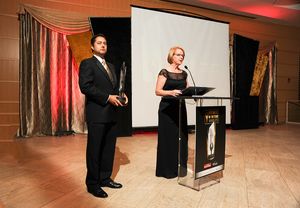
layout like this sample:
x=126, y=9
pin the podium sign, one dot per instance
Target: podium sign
x=210, y=140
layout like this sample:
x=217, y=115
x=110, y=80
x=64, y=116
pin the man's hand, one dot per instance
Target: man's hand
x=113, y=99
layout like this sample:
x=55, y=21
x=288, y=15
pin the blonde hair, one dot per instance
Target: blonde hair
x=172, y=52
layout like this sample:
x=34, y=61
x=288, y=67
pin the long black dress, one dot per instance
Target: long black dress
x=168, y=129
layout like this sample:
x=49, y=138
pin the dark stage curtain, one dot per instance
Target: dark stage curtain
x=253, y=82
x=50, y=99
x=245, y=108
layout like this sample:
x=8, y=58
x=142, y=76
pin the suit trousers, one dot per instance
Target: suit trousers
x=100, y=152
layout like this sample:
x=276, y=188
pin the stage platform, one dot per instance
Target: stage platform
x=262, y=169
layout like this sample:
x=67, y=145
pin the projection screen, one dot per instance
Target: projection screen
x=206, y=45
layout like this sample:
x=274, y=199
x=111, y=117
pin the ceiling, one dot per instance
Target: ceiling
x=286, y=12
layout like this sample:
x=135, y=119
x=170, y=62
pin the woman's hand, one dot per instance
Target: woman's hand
x=175, y=93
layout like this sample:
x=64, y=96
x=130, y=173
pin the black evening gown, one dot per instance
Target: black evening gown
x=168, y=129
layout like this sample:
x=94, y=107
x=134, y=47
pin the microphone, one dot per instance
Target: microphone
x=191, y=78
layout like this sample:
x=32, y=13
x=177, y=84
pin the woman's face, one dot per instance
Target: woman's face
x=178, y=57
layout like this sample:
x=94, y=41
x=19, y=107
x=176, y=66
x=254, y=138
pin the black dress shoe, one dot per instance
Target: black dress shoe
x=111, y=184
x=98, y=192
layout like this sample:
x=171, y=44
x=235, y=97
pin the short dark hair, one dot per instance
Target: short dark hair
x=93, y=39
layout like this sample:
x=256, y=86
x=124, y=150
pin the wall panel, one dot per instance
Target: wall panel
x=285, y=95
x=12, y=118
x=9, y=107
x=287, y=57
x=9, y=7
x=9, y=70
x=9, y=48
x=9, y=91
x=287, y=83
x=287, y=70
x=8, y=131
x=9, y=27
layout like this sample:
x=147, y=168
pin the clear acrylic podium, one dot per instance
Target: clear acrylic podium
x=206, y=148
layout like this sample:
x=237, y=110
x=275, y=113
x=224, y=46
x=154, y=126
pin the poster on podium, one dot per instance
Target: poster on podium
x=210, y=140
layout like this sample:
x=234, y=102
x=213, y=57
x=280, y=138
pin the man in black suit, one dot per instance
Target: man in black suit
x=97, y=80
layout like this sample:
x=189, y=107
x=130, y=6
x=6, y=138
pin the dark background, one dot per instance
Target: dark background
x=118, y=35
x=245, y=108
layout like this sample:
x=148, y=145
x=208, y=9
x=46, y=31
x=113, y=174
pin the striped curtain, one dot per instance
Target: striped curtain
x=50, y=99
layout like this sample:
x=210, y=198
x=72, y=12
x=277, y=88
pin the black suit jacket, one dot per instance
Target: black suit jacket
x=95, y=83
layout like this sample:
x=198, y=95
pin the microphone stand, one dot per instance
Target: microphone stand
x=191, y=78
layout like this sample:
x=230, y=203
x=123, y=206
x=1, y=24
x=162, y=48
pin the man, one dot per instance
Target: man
x=97, y=80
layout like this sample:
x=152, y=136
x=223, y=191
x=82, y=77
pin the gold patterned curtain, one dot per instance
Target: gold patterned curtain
x=50, y=99
x=264, y=84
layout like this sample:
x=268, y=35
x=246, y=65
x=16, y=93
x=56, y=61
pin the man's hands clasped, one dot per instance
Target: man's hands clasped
x=113, y=99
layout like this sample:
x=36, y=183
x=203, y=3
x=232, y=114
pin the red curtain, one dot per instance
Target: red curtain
x=50, y=100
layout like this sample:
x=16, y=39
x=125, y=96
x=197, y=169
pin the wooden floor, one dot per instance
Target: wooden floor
x=262, y=169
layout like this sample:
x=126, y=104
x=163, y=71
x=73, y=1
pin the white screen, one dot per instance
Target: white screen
x=206, y=45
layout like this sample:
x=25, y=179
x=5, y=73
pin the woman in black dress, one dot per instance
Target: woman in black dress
x=170, y=82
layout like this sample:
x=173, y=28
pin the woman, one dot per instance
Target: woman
x=170, y=82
